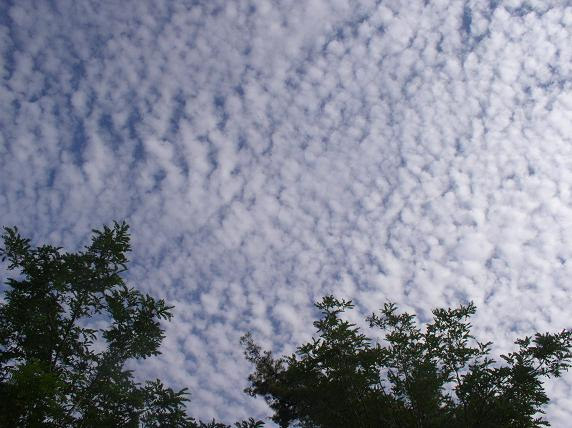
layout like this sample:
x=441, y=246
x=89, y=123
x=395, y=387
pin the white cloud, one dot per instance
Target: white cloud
x=267, y=154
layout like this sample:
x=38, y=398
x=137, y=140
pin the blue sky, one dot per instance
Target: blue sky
x=267, y=153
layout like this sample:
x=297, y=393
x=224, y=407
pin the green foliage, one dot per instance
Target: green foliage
x=440, y=376
x=250, y=423
x=68, y=326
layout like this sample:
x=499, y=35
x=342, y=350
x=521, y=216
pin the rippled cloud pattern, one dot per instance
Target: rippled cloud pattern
x=267, y=153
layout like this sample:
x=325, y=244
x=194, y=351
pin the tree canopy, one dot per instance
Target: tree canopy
x=439, y=376
x=68, y=326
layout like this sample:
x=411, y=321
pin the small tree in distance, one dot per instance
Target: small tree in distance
x=440, y=376
x=53, y=370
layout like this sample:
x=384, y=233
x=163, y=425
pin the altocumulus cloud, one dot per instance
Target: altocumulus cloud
x=266, y=153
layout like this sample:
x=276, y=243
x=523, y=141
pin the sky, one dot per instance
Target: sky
x=266, y=153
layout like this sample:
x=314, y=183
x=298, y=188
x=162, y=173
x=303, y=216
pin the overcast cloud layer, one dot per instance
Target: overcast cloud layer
x=266, y=153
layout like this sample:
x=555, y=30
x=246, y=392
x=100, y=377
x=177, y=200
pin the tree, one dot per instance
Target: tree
x=439, y=376
x=68, y=326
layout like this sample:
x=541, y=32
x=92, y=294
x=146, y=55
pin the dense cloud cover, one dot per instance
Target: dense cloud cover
x=266, y=153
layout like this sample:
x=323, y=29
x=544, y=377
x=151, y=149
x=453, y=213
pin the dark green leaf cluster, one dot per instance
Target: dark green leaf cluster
x=439, y=376
x=68, y=325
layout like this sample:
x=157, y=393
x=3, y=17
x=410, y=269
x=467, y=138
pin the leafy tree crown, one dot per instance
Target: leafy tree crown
x=439, y=376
